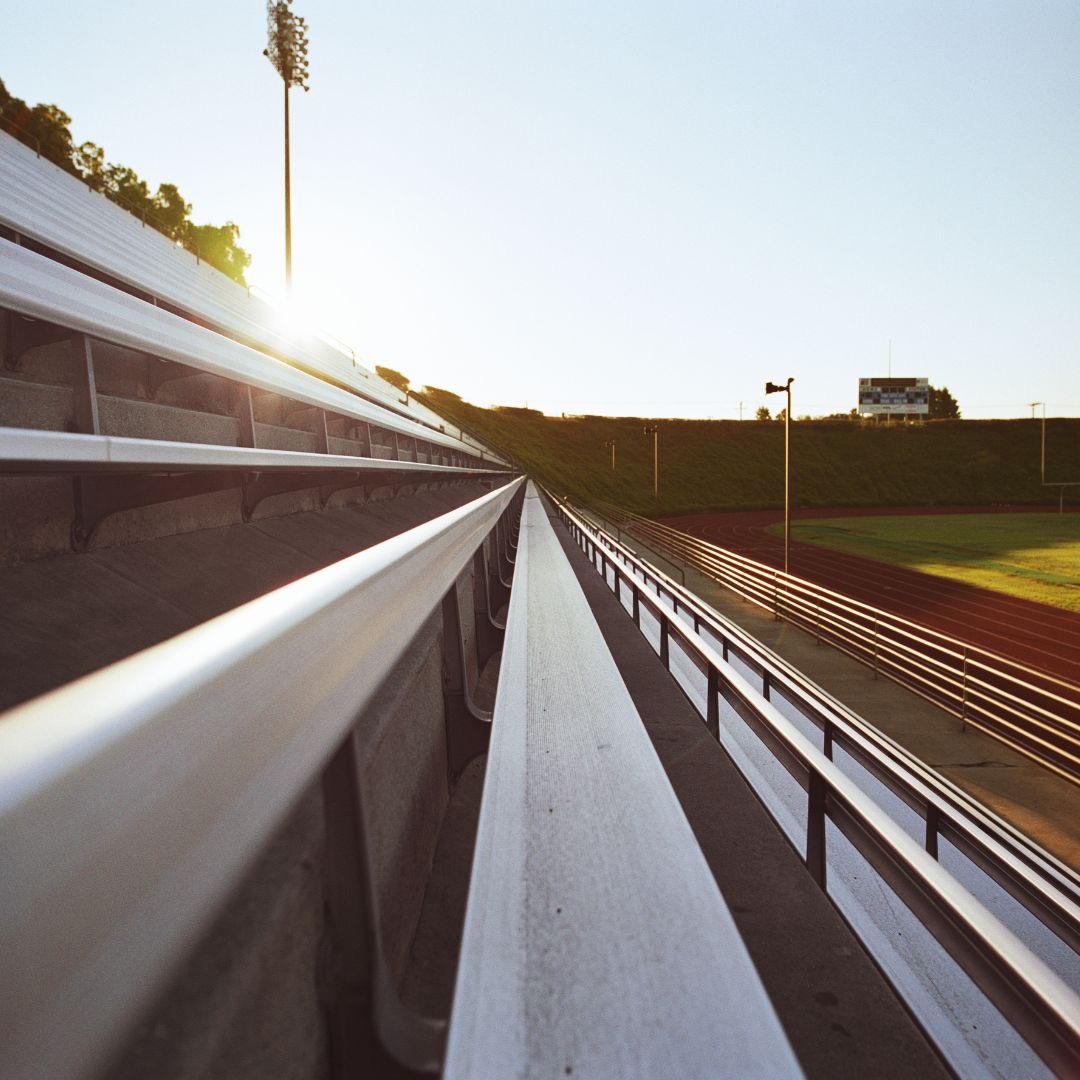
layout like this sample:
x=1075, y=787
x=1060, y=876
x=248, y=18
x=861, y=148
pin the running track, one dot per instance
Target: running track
x=1038, y=635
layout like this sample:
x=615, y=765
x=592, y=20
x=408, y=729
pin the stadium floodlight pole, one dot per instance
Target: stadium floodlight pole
x=611, y=443
x=654, y=431
x=286, y=49
x=775, y=388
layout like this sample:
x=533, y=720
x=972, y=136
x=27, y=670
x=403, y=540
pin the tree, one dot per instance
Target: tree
x=172, y=212
x=45, y=128
x=124, y=186
x=437, y=393
x=763, y=413
x=943, y=406
x=217, y=244
x=394, y=378
x=89, y=161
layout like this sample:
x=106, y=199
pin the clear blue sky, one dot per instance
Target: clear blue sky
x=625, y=207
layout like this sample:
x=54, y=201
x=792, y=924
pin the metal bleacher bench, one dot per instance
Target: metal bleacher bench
x=42, y=204
x=134, y=800
x=39, y=288
x=71, y=305
x=596, y=942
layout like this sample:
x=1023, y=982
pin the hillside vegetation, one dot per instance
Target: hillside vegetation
x=729, y=465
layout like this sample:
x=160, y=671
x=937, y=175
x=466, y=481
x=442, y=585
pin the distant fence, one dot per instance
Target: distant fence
x=1033, y=712
x=701, y=651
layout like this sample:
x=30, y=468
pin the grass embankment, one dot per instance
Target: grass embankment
x=728, y=465
x=1033, y=556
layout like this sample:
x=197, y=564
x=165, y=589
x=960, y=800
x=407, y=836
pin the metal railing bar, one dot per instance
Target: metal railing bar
x=1003, y=968
x=929, y=788
x=290, y=674
x=898, y=622
x=921, y=665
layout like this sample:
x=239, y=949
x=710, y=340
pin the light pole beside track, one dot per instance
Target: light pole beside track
x=1042, y=449
x=654, y=431
x=611, y=443
x=776, y=388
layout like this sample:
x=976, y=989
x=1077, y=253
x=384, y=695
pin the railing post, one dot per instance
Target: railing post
x=488, y=638
x=637, y=607
x=933, y=816
x=712, y=703
x=827, y=738
x=466, y=735
x=87, y=421
x=348, y=990
x=246, y=415
x=766, y=685
x=815, y=828
x=664, y=633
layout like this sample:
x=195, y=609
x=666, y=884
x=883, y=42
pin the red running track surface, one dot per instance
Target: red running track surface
x=1041, y=636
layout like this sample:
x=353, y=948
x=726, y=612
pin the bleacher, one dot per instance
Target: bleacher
x=52, y=212
x=232, y=850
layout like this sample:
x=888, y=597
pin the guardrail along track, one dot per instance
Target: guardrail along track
x=698, y=645
x=1032, y=712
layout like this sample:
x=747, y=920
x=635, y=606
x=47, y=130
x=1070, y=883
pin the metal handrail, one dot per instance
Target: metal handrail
x=1034, y=999
x=132, y=801
x=36, y=287
x=318, y=354
x=1031, y=711
x=944, y=805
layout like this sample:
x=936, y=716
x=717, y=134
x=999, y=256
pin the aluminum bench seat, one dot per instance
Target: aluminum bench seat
x=42, y=202
x=596, y=942
x=27, y=451
x=134, y=800
x=38, y=288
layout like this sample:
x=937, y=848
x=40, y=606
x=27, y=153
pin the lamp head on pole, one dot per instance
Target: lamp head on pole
x=777, y=388
x=287, y=44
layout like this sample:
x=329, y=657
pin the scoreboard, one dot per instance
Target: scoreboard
x=902, y=396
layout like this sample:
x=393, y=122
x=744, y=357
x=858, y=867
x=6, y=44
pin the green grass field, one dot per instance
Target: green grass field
x=1033, y=556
